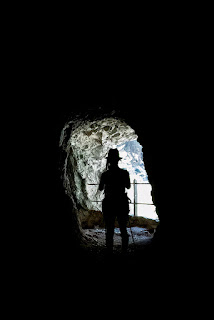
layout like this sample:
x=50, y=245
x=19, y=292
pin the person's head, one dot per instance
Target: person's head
x=113, y=158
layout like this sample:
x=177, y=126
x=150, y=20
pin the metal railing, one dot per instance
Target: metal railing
x=135, y=203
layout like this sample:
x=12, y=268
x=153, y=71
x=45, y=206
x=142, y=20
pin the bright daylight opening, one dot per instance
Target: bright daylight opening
x=140, y=192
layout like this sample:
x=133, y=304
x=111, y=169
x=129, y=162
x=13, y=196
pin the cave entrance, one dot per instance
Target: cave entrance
x=141, y=203
x=87, y=149
x=140, y=192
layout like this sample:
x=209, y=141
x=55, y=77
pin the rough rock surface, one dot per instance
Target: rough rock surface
x=132, y=160
x=87, y=149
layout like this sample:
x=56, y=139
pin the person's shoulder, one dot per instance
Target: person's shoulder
x=124, y=171
x=104, y=174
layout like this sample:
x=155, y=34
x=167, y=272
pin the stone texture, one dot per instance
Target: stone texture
x=87, y=149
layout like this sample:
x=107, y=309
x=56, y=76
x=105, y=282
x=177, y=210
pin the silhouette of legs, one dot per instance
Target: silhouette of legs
x=122, y=220
x=109, y=222
x=110, y=214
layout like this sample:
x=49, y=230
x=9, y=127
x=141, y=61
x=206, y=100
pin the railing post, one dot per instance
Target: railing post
x=135, y=198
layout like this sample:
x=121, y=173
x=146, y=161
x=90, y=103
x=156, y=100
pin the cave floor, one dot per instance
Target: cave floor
x=139, y=252
x=96, y=237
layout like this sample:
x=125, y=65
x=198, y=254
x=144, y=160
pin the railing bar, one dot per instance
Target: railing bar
x=140, y=183
x=151, y=204
x=96, y=184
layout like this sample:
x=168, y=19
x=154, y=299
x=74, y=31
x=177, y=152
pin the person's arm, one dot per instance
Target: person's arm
x=127, y=185
x=101, y=185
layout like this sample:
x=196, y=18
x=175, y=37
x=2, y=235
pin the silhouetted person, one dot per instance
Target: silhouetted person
x=115, y=204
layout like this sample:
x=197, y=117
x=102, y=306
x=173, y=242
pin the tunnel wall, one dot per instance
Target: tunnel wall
x=146, y=129
x=86, y=150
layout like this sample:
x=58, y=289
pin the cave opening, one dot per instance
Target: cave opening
x=86, y=149
x=141, y=204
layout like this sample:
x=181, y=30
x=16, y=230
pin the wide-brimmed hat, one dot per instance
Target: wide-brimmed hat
x=113, y=154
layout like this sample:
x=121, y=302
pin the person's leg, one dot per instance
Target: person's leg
x=109, y=221
x=122, y=220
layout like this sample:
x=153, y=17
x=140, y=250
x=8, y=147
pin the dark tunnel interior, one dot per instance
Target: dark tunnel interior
x=152, y=96
x=149, y=124
x=59, y=243
x=149, y=111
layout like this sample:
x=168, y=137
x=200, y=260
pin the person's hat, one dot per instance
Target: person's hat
x=113, y=154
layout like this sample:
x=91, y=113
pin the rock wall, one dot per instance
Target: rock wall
x=87, y=123
x=86, y=151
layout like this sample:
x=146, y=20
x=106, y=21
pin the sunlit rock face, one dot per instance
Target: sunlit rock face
x=87, y=149
x=132, y=160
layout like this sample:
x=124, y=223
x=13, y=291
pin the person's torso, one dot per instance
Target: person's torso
x=115, y=182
